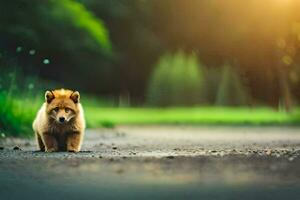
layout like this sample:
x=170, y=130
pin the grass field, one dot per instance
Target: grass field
x=97, y=116
x=17, y=114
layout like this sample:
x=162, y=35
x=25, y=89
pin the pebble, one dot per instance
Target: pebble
x=291, y=159
x=115, y=148
x=170, y=157
x=222, y=153
x=1, y=148
x=269, y=152
x=17, y=148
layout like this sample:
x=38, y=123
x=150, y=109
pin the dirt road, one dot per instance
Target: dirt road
x=170, y=162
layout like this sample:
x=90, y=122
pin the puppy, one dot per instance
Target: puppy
x=59, y=124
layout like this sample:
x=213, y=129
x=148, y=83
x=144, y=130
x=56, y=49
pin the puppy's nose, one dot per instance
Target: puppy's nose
x=61, y=119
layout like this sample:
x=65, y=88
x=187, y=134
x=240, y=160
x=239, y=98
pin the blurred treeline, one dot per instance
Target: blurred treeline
x=154, y=52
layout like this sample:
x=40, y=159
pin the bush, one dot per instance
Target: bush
x=231, y=91
x=176, y=81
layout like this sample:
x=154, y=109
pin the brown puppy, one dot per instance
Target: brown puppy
x=59, y=124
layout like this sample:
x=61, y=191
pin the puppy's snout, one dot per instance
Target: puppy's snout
x=62, y=119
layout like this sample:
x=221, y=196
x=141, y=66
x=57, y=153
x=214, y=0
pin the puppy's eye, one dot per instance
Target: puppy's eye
x=67, y=110
x=56, y=109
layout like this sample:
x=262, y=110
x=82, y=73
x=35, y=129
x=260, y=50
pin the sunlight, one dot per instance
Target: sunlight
x=284, y=2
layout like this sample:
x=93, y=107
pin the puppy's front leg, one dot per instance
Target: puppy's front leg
x=50, y=142
x=40, y=142
x=74, y=141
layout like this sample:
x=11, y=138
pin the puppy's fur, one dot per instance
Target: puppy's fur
x=59, y=124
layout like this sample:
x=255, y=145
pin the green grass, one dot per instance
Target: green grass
x=18, y=112
x=97, y=116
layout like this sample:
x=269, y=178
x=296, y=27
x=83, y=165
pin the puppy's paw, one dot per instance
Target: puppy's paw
x=72, y=150
x=49, y=150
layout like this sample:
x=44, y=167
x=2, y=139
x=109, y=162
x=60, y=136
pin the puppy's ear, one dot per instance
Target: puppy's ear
x=75, y=96
x=49, y=96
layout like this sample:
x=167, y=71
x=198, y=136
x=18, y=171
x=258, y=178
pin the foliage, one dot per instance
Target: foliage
x=176, y=81
x=75, y=14
x=65, y=33
x=116, y=43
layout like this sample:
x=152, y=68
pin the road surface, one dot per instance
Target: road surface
x=158, y=162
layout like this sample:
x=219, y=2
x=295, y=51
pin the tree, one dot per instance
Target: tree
x=177, y=80
x=231, y=90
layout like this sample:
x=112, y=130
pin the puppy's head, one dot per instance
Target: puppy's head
x=62, y=105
